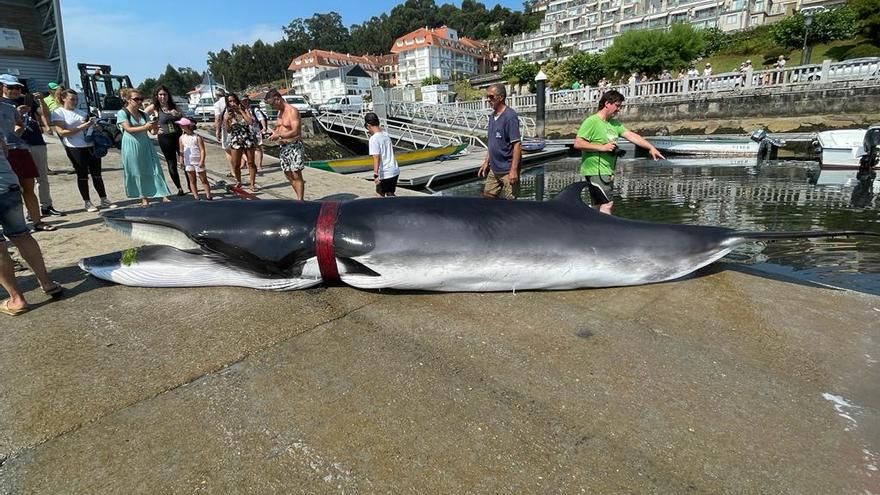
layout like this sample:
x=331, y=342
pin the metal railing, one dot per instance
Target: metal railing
x=419, y=136
x=803, y=77
x=452, y=117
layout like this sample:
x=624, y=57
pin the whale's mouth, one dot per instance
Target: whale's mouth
x=172, y=257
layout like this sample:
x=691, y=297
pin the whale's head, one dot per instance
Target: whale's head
x=268, y=244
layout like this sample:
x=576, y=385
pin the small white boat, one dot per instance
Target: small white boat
x=840, y=149
x=705, y=145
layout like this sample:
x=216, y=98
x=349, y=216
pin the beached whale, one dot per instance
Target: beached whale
x=421, y=243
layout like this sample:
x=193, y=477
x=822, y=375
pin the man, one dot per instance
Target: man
x=385, y=169
x=53, y=101
x=17, y=150
x=501, y=166
x=15, y=228
x=287, y=133
x=220, y=129
x=596, y=139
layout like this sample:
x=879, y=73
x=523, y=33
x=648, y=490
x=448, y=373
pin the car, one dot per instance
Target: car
x=204, y=110
x=300, y=103
x=343, y=104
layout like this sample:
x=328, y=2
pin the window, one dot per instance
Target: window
x=731, y=19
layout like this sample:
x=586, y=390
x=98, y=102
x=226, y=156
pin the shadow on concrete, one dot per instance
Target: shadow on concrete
x=73, y=278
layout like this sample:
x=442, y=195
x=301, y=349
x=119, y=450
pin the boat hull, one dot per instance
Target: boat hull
x=365, y=163
x=840, y=148
x=705, y=146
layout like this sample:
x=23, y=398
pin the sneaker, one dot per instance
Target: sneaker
x=89, y=206
x=49, y=211
x=105, y=203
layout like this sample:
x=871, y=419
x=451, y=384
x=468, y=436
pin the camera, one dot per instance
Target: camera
x=616, y=151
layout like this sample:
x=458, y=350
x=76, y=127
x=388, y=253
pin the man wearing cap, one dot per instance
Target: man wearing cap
x=52, y=101
x=12, y=127
x=287, y=133
x=708, y=70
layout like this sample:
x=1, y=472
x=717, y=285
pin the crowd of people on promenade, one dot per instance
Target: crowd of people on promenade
x=240, y=130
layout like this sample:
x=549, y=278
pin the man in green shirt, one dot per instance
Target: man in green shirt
x=596, y=139
x=52, y=101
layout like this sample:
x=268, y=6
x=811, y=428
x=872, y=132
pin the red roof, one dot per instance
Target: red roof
x=438, y=37
x=323, y=58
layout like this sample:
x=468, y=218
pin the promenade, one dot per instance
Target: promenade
x=725, y=382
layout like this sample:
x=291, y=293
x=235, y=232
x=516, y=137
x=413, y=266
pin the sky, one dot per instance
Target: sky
x=140, y=41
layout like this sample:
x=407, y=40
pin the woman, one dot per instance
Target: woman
x=71, y=125
x=142, y=173
x=237, y=122
x=166, y=112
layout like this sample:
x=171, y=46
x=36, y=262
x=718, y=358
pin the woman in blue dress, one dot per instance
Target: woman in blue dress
x=143, y=175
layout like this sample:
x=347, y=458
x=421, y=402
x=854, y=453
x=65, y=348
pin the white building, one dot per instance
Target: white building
x=438, y=52
x=592, y=25
x=304, y=68
x=349, y=80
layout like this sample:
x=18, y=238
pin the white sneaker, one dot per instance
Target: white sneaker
x=89, y=206
x=105, y=203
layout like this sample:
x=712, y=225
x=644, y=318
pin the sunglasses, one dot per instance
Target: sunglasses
x=492, y=97
x=137, y=99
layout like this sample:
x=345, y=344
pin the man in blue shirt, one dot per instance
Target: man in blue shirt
x=501, y=166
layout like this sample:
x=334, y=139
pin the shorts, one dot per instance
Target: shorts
x=387, y=186
x=23, y=164
x=193, y=167
x=499, y=186
x=12, y=213
x=292, y=156
x=601, y=188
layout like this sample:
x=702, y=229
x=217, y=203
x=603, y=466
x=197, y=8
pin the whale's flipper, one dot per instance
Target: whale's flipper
x=572, y=195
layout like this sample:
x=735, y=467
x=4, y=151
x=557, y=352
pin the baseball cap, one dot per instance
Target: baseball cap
x=184, y=121
x=9, y=80
x=54, y=85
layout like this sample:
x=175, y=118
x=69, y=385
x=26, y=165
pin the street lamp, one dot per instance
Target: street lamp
x=808, y=19
x=540, y=102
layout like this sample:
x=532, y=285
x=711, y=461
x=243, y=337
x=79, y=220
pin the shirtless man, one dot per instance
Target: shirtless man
x=287, y=133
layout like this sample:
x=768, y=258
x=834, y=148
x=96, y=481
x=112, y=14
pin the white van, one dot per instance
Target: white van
x=343, y=104
x=300, y=103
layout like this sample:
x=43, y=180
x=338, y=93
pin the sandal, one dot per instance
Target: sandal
x=6, y=310
x=44, y=227
x=54, y=291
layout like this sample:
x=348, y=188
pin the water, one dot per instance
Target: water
x=734, y=193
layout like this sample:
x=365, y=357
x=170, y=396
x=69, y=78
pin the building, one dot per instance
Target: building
x=438, y=52
x=592, y=25
x=32, y=43
x=388, y=68
x=348, y=80
x=307, y=66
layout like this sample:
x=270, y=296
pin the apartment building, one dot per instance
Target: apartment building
x=306, y=67
x=342, y=81
x=388, y=68
x=592, y=25
x=438, y=52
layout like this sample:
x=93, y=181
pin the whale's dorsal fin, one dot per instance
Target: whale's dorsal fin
x=572, y=194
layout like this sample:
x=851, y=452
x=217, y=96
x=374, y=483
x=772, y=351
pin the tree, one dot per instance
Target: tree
x=835, y=24
x=868, y=13
x=582, y=66
x=716, y=39
x=327, y=32
x=428, y=81
x=518, y=71
x=654, y=50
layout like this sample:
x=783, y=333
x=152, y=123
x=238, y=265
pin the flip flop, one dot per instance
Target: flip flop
x=44, y=227
x=6, y=310
x=54, y=291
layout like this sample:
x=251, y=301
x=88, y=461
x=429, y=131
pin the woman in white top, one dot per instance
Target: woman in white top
x=72, y=125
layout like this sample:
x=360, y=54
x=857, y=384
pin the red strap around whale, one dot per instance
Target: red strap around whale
x=324, y=240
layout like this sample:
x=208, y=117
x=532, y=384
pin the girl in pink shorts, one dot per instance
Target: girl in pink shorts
x=192, y=152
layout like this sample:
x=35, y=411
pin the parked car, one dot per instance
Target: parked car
x=343, y=104
x=300, y=103
x=204, y=110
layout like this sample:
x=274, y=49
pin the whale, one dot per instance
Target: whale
x=410, y=243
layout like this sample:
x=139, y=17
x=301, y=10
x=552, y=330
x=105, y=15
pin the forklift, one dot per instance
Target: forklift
x=101, y=89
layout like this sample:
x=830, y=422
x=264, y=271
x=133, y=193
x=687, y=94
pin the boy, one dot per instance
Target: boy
x=385, y=169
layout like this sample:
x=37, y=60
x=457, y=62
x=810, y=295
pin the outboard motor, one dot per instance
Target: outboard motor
x=768, y=148
x=862, y=193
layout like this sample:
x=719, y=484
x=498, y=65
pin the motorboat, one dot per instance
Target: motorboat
x=843, y=148
x=705, y=145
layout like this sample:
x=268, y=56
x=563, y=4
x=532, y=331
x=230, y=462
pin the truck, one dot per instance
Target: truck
x=101, y=89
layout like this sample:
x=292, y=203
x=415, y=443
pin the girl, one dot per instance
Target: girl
x=192, y=152
x=143, y=175
x=71, y=124
x=238, y=122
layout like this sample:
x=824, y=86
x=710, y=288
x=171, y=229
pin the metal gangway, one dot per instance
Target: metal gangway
x=472, y=121
x=417, y=135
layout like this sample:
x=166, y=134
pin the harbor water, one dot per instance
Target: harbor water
x=739, y=194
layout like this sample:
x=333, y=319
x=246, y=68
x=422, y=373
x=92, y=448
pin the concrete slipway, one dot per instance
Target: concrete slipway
x=722, y=383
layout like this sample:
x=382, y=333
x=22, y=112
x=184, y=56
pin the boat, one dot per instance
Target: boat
x=365, y=163
x=705, y=145
x=530, y=146
x=841, y=149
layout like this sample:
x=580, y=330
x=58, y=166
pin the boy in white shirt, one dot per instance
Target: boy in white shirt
x=385, y=169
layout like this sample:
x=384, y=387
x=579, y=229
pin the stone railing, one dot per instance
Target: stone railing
x=865, y=71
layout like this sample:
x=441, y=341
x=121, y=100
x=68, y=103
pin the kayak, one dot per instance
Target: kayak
x=365, y=163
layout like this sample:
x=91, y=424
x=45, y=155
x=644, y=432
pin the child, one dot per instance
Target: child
x=385, y=170
x=192, y=151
